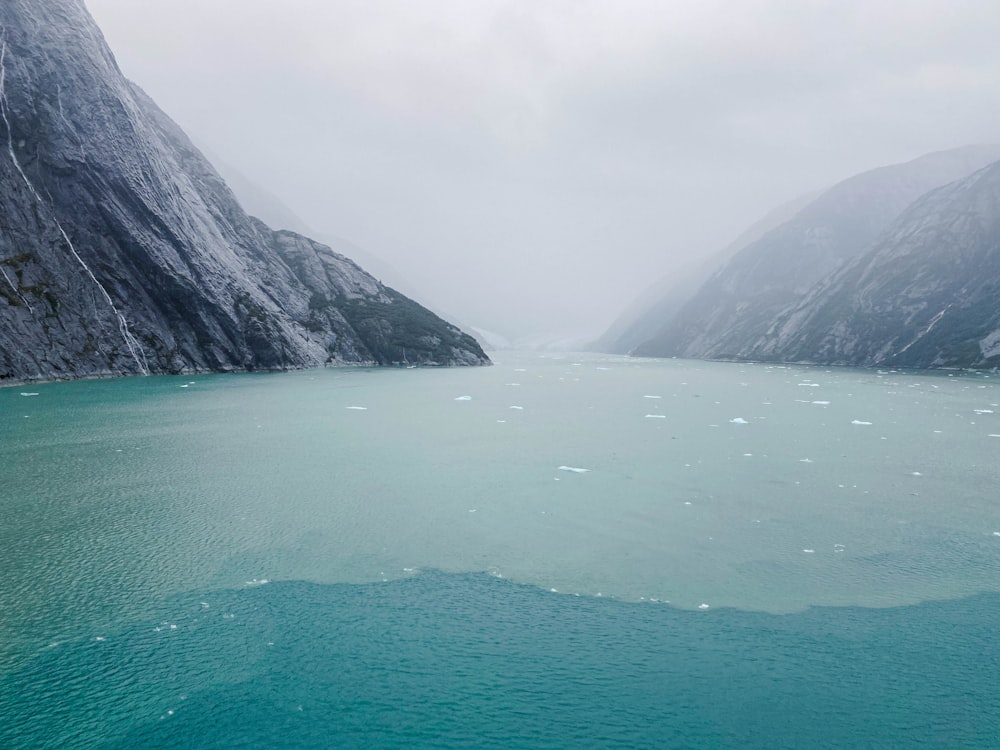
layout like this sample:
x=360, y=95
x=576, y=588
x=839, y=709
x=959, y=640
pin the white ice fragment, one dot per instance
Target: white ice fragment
x=822, y=403
x=574, y=469
x=656, y=416
x=357, y=408
x=464, y=398
x=809, y=551
x=996, y=533
x=983, y=411
x=993, y=435
x=703, y=606
x=916, y=474
x=517, y=408
x=858, y=421
x=738, y=420
x=805, y=460
x=809, y=385
x=28, y=394
x=652, y=396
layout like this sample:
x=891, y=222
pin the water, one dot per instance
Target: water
x=756, y=556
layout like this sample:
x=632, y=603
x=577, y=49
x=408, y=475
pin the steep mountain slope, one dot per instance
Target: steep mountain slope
x=646, y=316
x=736, y=308
x=123, y=251
x=926, y=295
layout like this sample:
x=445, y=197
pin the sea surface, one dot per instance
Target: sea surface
x=559, y=551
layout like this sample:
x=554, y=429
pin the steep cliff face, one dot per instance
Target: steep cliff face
x=927, y=294
x=737, y=307
x=123, y=251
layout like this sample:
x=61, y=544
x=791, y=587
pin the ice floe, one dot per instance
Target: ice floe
x=28, y=394
x=517, y=408
x=574, y=469
x=738, y=420
x=703, y=606
x=652, y=396
x=656, y=416
x=357, y=408
x=463, y=398
x=858, y=421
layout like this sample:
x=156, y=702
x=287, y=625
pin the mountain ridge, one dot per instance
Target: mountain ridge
x=123, y=251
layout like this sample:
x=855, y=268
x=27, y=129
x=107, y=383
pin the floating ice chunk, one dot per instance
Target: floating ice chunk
x=501, y=421
x=809, y=551
x=652, y=396
x=656, y=416
x=473, y=510
x=512, y=385
x=805, y=460
x=748, y=454
x=28, y=394
x=703, y=606
x=822, y=403
x=858, y=421
x=809, y=385
x=839, y=548
x=993, y=435
x=464, y=398
x=100, y=638
x=357, y=408
x=574, y=469
x=258, y=582
x=977, y=411
x=517, y=408
x=996, y=533
x=738, y=420
x=916, y=474
x=186, y=385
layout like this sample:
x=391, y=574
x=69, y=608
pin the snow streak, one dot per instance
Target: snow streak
x=132, y=344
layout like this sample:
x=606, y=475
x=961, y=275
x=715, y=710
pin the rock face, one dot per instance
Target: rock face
x=732, y=316
x=927, y=294
x=123, y=251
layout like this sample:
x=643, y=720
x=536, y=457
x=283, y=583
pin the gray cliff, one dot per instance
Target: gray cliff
x=927, y=294
x=123, y=251
x=735, y=310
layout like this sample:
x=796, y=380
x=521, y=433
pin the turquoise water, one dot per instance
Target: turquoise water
x=756, y=556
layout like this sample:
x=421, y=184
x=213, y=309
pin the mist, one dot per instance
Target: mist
x=530, y=167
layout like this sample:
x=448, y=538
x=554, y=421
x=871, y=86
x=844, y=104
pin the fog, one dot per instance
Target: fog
x=530, y=166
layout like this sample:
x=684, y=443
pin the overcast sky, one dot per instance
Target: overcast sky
x=530, y=166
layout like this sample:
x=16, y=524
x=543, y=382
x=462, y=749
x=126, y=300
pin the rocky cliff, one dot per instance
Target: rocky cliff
x=123, y=251
x=736, y=309
x=927, y=294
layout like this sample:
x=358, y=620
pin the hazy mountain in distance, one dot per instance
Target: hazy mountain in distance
x=927, y=294
x=738, y=305
x=660, y=302
x=123, y=251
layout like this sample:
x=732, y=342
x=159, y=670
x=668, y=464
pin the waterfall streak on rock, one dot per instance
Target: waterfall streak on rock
x=133, y=345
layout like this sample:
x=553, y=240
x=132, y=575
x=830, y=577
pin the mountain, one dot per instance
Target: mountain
x=927, y=294
x=645, y=317
x=736, y=308
x=123, y=251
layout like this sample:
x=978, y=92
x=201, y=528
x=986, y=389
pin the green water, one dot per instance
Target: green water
x=710, y=517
